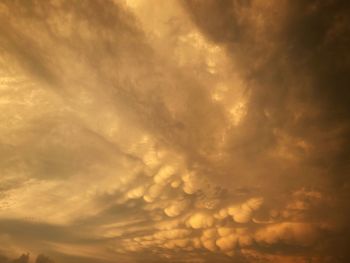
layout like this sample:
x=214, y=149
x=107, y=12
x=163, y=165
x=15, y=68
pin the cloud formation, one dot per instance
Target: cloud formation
x=174, y=131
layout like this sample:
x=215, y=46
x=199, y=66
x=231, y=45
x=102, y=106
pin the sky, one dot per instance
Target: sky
x=185, y=131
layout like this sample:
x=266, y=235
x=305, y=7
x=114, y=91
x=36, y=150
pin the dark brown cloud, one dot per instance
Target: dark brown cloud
x=296, y=67
x=24, y=258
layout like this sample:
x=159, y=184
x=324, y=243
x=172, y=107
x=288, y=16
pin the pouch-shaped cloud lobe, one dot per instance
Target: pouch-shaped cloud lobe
x=174, y=131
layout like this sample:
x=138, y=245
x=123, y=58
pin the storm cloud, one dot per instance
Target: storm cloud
x=174, y=131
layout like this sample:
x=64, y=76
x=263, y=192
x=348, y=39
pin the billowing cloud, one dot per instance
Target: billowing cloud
x=174, y=131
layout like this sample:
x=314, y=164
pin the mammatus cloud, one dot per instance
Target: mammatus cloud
x=174, y=131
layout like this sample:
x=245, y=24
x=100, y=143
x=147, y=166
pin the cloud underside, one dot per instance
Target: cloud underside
x=174, y=131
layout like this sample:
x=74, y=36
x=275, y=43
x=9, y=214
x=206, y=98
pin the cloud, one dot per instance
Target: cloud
x=171, y=131
x=24, y=258
x=294, y=233
x=200, y=220
x=43, y=259
x=176, y=208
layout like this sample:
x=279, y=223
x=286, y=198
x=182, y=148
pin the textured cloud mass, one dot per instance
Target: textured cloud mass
x=174, y=131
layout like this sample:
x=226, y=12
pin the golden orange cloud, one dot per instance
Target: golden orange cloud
x=174, y=131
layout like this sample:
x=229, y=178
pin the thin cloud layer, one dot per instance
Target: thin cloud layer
x=174, y=131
